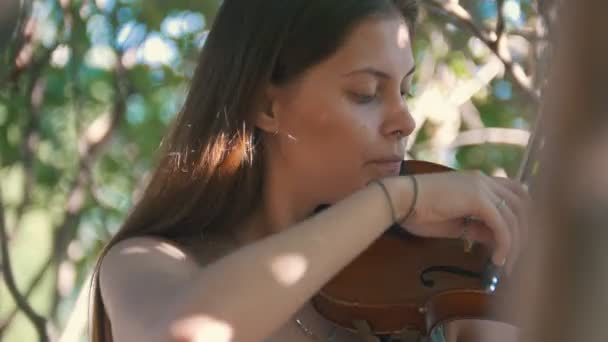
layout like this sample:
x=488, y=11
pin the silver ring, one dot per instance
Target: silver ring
x=466, y=221
x=468, y=243
x=463, y=235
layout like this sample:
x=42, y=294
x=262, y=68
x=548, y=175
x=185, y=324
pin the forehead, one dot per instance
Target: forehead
x=377, y=42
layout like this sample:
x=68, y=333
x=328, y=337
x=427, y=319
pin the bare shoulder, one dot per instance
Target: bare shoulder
x=137, y=278
x=147, y=254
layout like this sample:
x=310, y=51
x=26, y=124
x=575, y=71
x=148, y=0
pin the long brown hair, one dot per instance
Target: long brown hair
x=209, y=174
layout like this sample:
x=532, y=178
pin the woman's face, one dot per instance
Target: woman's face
x=345, y=121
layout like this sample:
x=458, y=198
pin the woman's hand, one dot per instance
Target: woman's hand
x=498, y=207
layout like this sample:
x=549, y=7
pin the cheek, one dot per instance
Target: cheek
x=331, y=139
x=332, y=127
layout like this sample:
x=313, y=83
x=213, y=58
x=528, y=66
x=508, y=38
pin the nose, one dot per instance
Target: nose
x=399, y=120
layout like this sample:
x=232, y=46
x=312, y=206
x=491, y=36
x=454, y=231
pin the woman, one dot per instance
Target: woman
x=294, y=104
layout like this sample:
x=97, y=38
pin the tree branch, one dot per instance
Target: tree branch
x=528, y=34
x=90, y=145
x=21, y=37
x=26, y=295
x=38, y=321
x=22, y=54
x=94, y=138
x=500, y=19
x=36, y=90
x=23, y=57
x=481, y=136
x=503, y=136
x=456, y=13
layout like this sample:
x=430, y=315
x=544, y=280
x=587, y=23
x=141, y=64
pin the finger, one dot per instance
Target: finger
x=475, y=231
x=512, y=225
x=515, y=187
x=479, y=232
x=520, y=207
x=492, y=218
x=448, y=229
x=513, y=213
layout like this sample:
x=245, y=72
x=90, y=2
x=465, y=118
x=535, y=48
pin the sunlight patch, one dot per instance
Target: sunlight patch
x=171, y=250
x=289, y=268
x=203, y=328
x=134, y=250
x=403, y=37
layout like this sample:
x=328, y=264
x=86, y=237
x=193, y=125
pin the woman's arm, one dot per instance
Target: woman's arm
x=157, y=293
x=270, y=279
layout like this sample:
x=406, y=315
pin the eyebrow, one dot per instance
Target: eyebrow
x=377, y=73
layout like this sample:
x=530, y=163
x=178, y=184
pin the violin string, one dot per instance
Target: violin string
x=331, y=335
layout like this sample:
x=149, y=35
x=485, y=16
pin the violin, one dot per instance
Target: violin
x=405, y=284
x=408, y=285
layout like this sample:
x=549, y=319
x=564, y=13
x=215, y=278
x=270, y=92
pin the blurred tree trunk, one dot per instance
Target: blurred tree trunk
x=566, y=277
x=9, y=10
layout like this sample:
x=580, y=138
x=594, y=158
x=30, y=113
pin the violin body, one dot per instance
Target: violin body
x=404, y=282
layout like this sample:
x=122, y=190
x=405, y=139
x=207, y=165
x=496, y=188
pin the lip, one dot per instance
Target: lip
x=388, y=167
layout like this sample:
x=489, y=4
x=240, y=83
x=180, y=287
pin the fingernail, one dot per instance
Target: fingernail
x=502, y=262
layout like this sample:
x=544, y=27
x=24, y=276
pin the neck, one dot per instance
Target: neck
x=281, y=206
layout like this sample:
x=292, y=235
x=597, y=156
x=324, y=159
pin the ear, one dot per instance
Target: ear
x=266, y=118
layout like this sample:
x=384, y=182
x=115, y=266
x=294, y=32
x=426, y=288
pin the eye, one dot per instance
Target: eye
x=362, y=98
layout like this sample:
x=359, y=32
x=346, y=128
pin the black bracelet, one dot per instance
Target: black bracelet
x=388, y=198
x=390, y=201
x=413, y=205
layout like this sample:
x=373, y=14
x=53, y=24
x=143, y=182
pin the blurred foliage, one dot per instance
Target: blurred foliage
x=87, y=94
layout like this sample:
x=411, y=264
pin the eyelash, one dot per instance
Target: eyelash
x=365, y=99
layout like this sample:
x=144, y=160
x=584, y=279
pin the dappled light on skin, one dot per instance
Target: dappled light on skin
x=403, y=37
x=134, y=250
x=288, y=269
x=94, y=39
x=171, y=251
x=202, y=328
x=288, y=135
x=292, y=138
x=163, y=247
